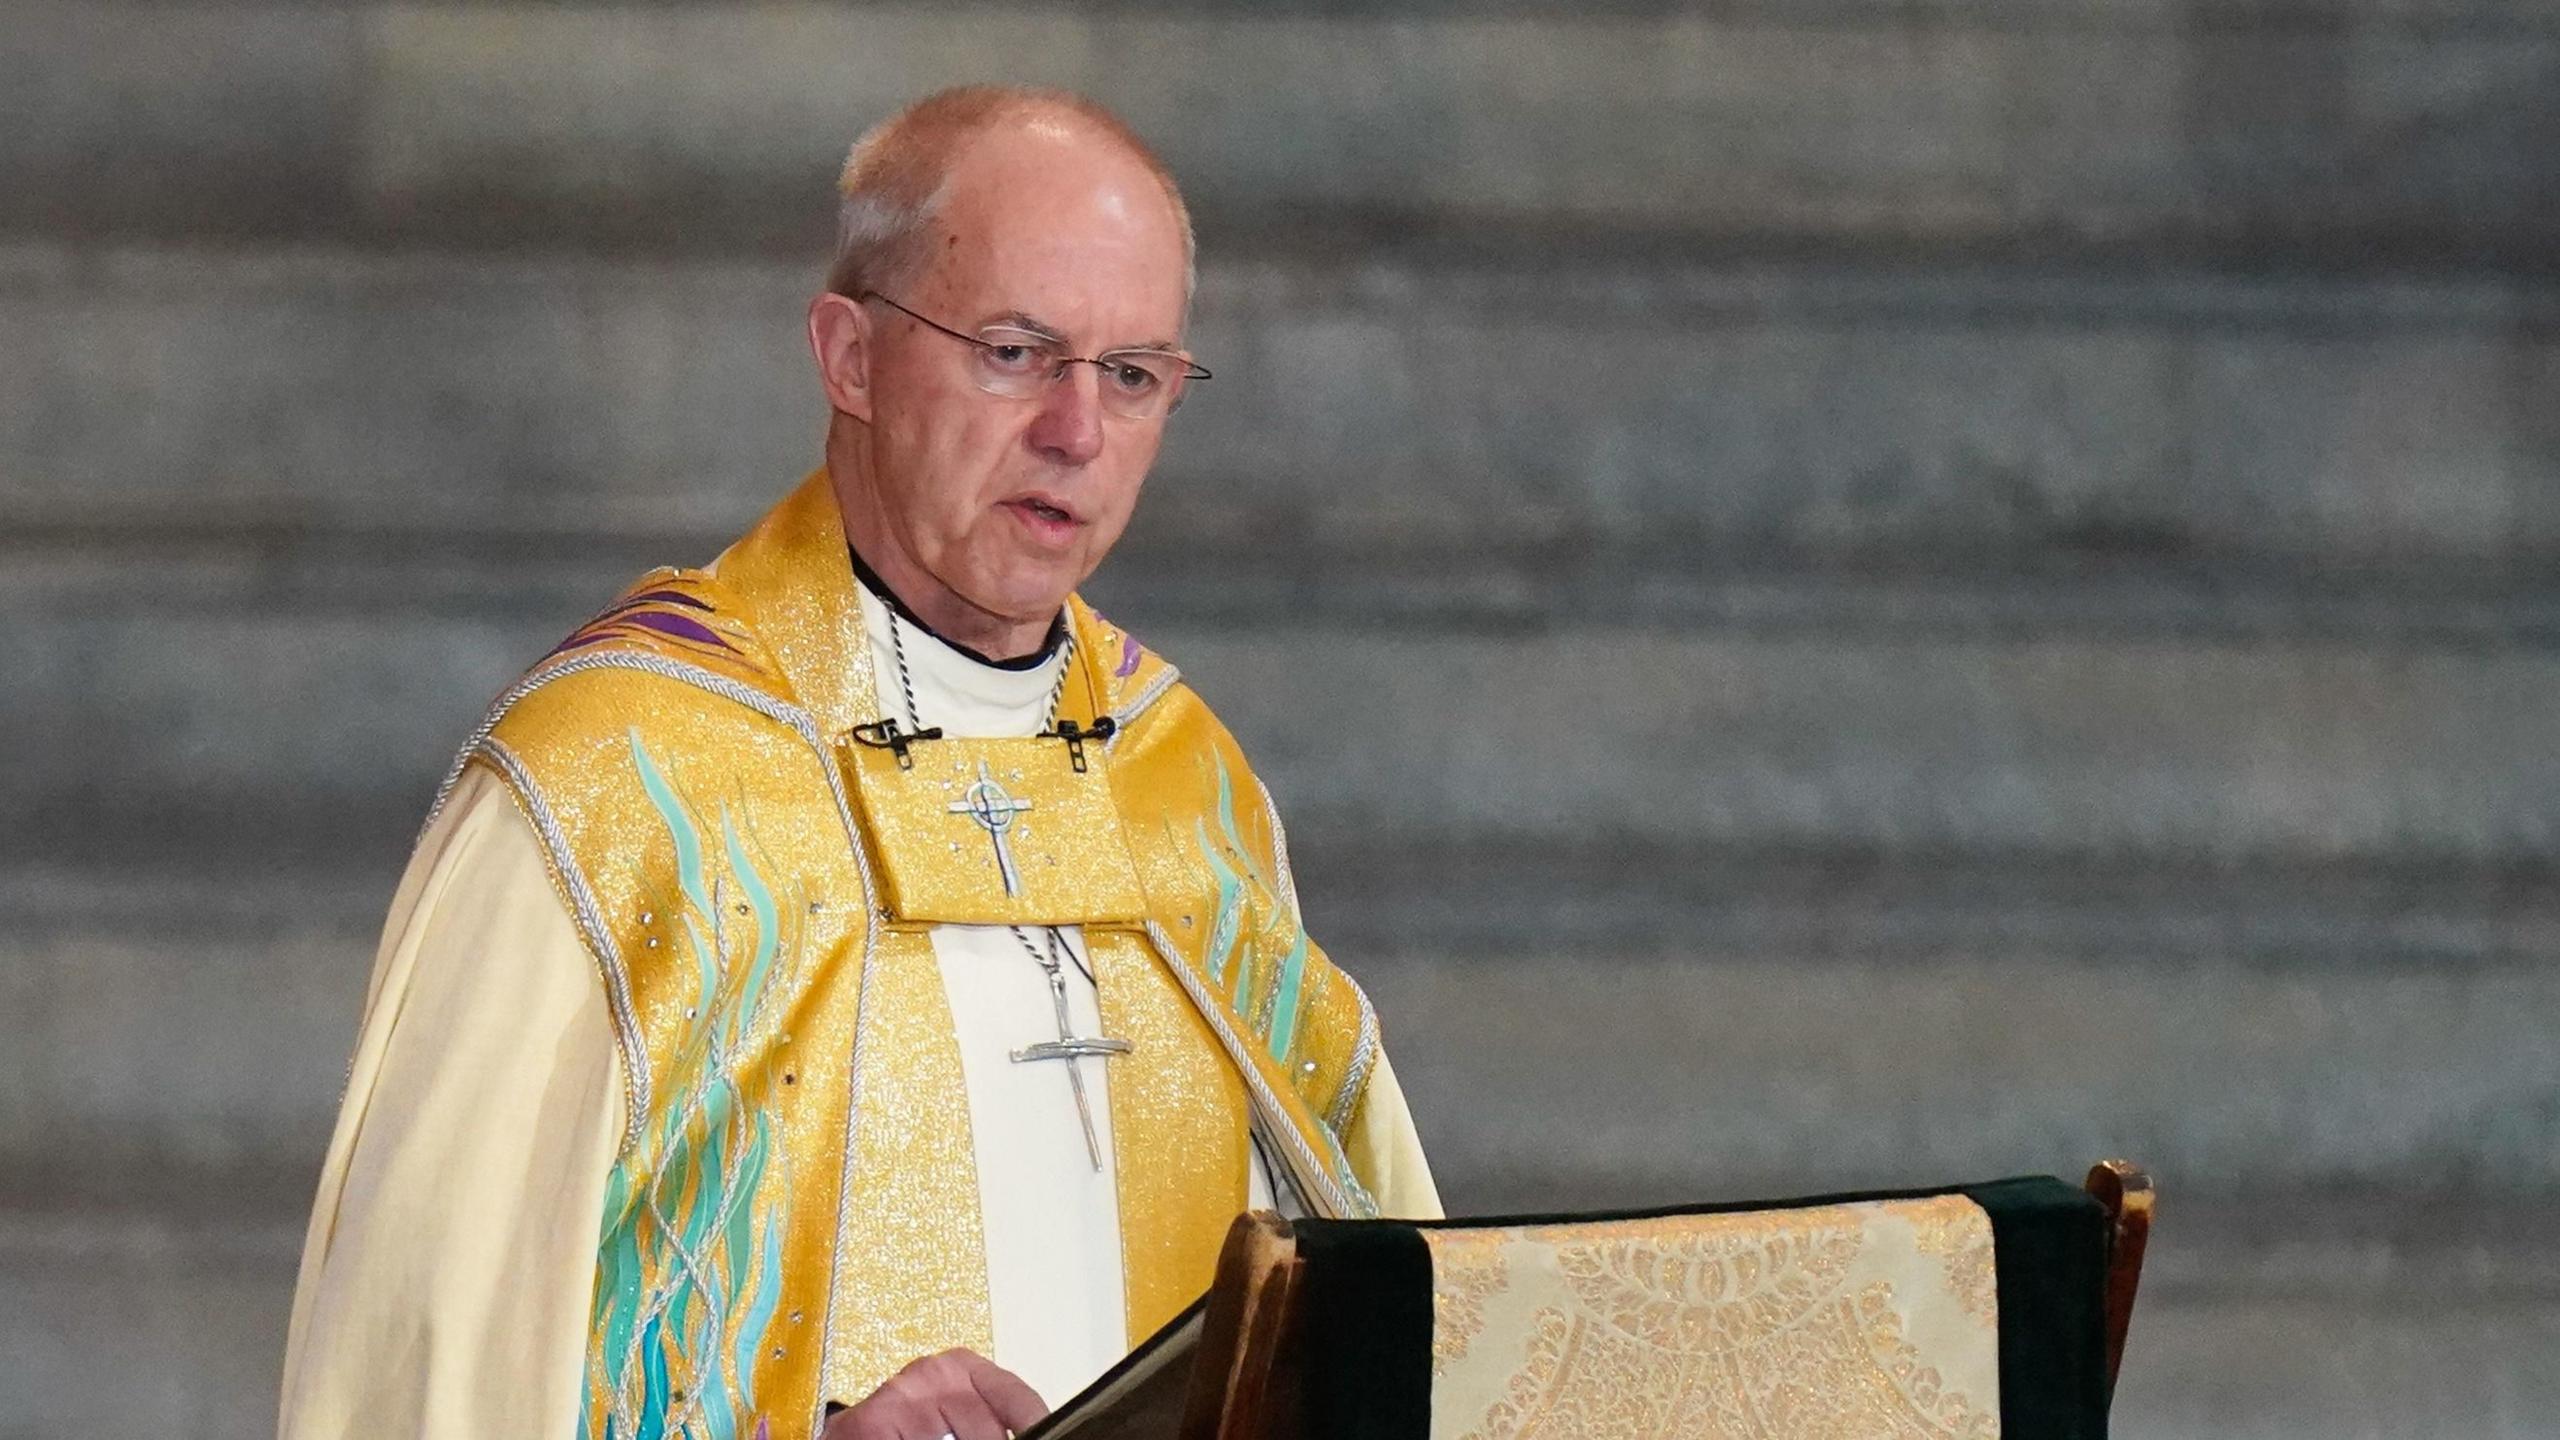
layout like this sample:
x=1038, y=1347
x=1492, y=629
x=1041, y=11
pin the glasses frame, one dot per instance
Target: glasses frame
x=1192, y=369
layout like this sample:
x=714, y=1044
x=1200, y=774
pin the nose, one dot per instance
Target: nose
x=1068, y=430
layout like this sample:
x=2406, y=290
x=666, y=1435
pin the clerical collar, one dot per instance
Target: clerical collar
x=872, y=582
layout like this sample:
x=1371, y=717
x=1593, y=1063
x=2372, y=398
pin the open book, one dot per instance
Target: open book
x=1141, y=1398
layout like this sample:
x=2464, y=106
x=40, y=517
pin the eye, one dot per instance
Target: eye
x=1014, y=357
x=1134, y=379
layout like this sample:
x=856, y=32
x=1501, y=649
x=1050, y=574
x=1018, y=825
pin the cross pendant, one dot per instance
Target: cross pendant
x=994, y=808
x=1069, y=1047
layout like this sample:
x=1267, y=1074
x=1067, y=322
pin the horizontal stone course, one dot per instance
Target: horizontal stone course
x=222, y=1058
x=1437, y=410
x=2322, y=129
x=1575, y=1077
x=1585, y=734
x=1167, y=572
x=1382, y=899
x=163, y=1338
x=1367, y=899
x=184, y=119
x=1583, y=1077
x=2426, y=17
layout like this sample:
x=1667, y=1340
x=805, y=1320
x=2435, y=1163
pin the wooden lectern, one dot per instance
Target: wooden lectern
x=1974, y=1311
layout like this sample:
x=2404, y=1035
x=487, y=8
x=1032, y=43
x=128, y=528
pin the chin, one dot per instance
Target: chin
x=1045, y=581
x=1027, y=597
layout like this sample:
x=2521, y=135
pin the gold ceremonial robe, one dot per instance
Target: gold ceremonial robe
x=791, y=1212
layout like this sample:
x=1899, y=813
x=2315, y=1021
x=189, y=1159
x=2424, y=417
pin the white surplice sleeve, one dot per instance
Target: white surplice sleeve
x=450, y=1264
x=1387, y=1151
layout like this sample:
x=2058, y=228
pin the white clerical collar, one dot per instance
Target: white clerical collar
x=961, y=692
x=869, y=579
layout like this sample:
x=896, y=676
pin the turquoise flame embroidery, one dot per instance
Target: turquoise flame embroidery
x=1231, y=864
x=1284, y=1008
x=685, y=1263
x=1276, y=932
x=1226, y=920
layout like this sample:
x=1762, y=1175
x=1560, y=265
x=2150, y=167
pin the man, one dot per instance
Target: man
x=849, y=990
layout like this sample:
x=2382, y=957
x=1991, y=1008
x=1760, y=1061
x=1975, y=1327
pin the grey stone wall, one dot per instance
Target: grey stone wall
x=1907, y=589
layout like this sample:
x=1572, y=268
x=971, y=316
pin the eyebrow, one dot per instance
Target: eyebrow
x=1020, y=320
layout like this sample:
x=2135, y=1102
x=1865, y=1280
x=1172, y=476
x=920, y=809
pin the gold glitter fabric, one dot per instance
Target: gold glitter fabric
x=1225, y=922
x=793, y=1215
x=910, y=1258
x=1830, y=1321
x=732, y=930
x=994, y=832
x=1178, y=1124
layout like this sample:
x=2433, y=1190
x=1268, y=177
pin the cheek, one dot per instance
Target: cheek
x=1137, y=461
x=952, y=461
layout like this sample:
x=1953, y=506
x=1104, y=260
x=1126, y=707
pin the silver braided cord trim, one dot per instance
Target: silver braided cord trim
x=659, y=665
x=1280, y=847
x=872, y=915
x=591, y=928
x=1364, y=1050
x=915, y=722
x=1269, y=1115
x=806, y=728
x=1364, y=1056
x=555, y=842
x=533, y=680
x=1154, y=692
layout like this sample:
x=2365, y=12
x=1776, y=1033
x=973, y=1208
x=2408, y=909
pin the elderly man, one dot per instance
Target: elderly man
x=848, y=990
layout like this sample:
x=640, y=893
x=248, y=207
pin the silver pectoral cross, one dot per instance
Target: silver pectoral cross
x=992, y=806
x=1069, y=1047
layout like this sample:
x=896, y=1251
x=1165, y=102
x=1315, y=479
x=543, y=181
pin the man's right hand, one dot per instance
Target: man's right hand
x=959, y=1393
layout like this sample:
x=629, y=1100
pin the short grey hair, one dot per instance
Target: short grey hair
x=895, y=176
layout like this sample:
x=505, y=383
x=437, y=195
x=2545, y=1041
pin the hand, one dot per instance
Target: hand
x=958, y=1393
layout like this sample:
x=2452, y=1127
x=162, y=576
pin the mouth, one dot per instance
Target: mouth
x=1045, y=514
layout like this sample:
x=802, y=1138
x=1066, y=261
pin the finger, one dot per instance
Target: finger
x=966, y=1417
x=889, y=1415
x=1012, y=1399
x=850, y=1423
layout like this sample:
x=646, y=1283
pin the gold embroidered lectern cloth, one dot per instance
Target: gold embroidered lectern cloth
x=1877, y=1320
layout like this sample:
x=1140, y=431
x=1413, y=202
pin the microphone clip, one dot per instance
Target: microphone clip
x=886, y=734
x=1076, y=735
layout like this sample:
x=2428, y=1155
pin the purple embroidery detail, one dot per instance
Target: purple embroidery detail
x=677, y=626
x=651, y=614
x=620, y=608
x=1129, y=653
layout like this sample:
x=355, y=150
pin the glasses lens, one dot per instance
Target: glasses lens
x=1140, y=384
x=1022, y=364
x=1015, y=362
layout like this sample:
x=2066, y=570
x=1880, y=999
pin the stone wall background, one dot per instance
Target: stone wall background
x=1905, y=590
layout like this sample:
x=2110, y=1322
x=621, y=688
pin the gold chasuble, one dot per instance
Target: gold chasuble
x=755, y=867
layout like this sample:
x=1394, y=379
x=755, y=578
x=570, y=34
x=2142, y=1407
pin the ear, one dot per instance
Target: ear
x=840, y=339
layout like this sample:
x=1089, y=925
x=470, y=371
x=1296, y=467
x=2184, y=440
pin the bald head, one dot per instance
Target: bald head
x=983, y=230
x=899, y=175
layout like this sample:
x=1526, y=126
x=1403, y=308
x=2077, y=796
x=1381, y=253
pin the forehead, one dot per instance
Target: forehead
x=1062, y=226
